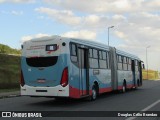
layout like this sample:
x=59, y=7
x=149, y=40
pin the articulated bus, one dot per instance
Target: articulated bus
x=66, y=67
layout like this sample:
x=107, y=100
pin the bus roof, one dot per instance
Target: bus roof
x=82, y=41
x=45, y=38
x=90, y=43
x=120, y=52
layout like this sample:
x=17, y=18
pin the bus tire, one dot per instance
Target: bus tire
x=94, y=93
x=124, y=88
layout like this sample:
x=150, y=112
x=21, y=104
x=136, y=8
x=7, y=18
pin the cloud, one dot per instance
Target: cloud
x=17, y=1
x=120, y=34
x=106, y=6
x=136, y=21
x=119, y=17
x=92, y=21
x=29, y=37
x=152, y=5
x=2, y=1
x=13, y=12
x=82, y=34
x=16, y=12
x=63, y=16
x=131, y=29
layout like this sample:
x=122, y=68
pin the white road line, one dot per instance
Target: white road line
x=145, y=109
x=150, y=106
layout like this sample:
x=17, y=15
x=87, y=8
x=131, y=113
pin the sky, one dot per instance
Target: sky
x=136, y=23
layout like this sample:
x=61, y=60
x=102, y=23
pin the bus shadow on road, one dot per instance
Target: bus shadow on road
x=59, y=102
x=69, y=103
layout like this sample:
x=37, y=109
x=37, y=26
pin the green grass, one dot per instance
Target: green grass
x=9, y=90
x=9, y=71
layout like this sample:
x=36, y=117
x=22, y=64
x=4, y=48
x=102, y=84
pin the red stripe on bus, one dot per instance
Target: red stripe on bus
x=76, y=93
x=128, y=86
x=103, y=90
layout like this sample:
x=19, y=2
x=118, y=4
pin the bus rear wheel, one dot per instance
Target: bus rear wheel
x=94, y=93
x=123, y=88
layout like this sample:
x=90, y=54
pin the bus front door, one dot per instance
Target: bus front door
x=83, y=71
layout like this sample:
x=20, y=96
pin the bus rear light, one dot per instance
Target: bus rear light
x=64, y=79
x=22, y=83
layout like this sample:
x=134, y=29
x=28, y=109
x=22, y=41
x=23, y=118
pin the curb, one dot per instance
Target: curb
x=9, y=95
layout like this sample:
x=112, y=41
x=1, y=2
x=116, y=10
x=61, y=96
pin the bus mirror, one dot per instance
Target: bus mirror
x=143, y=66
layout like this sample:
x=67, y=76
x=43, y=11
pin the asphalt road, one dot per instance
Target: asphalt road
x=145, y=98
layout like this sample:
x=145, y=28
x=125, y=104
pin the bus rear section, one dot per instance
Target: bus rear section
x=44, y=70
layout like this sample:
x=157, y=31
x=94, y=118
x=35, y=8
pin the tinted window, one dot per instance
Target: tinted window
x=125, y=66
x=119, y=59
x=104, y=55
x=73, y=49
x=93, y=63
x=102, y=64
x=90, y=53
x=73, y=53
x=95, y=54
x=119, y=66
x=129, y=61
x=42, y=61
x=119, y=62
x=124, y=60
x=129, y=67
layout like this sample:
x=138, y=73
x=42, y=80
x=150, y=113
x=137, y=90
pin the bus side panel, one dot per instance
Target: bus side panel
x=102, y=77
x=127, y=76
x=74, y=91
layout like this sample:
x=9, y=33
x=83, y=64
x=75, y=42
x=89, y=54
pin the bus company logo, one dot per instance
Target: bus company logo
x=6, y=114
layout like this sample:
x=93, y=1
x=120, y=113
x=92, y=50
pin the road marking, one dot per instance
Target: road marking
x=145, y=109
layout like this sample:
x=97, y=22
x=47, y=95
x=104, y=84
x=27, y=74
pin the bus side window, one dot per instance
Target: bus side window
x=73, y=52
x=95, y=53
x=119, y=62
x=124, y=63
x=136, y=65
x=104, y=55
x=94, y=60
x=90, y=53
x=129, y=64
x=102, y=60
